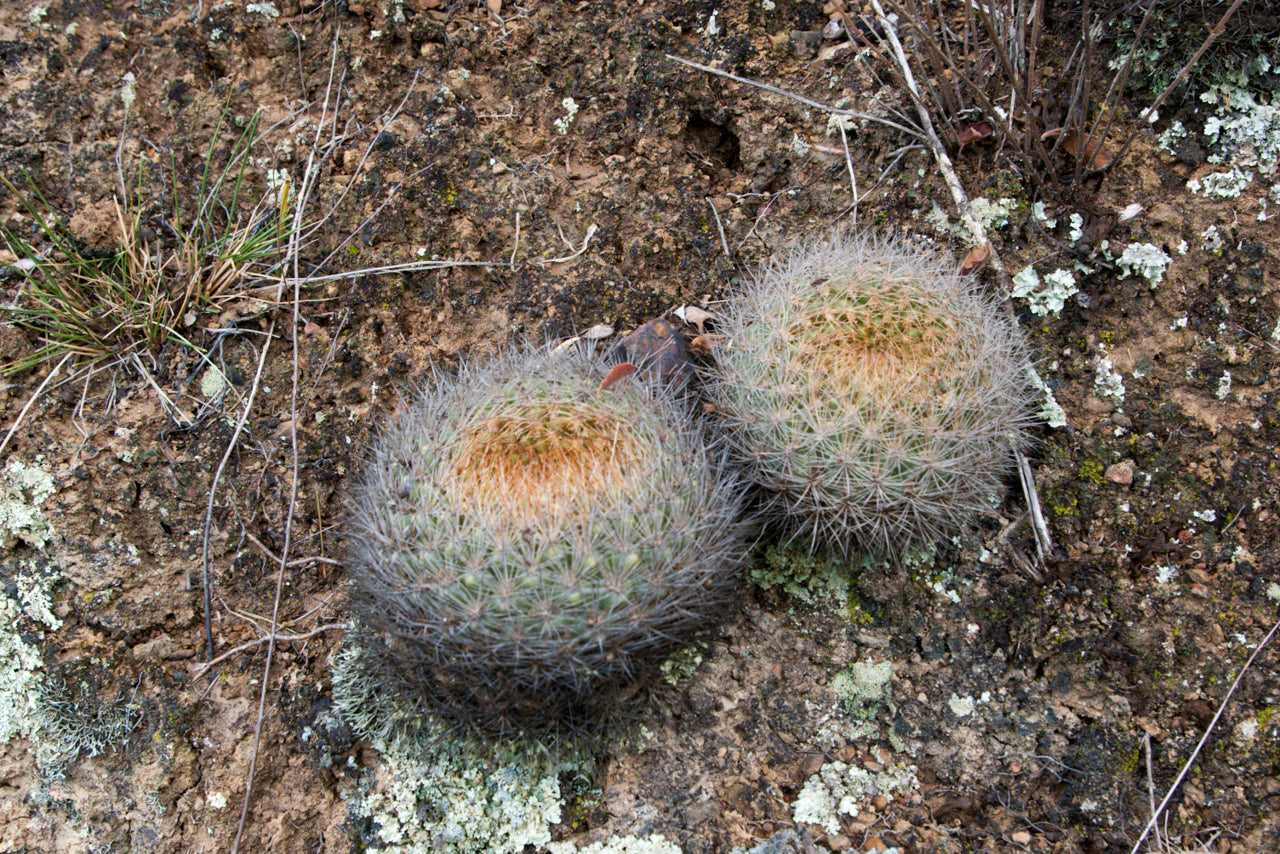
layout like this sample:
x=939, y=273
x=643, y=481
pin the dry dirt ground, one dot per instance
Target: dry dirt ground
x=1022, y=693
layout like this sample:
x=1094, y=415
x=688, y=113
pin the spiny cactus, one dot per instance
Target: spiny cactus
x=874, y=394
x=530, y=545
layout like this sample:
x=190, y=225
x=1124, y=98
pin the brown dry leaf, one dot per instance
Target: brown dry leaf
x=620, y=370
x=973, y=133
x=977, y=256
x=706, y=342
x=1098, y=156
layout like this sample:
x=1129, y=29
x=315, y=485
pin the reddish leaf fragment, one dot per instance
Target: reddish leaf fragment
x=973, y=133
x=1097, y=155
x=977, y=256
x=620, y=370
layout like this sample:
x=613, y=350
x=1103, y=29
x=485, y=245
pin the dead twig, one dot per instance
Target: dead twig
x=1195, y=754
x=31, y=400
x=1044, y=544
x=1145, y=116
x=958, y=195
x=803, y=100
x=724, y=242
x=208, y=665
x=301, y=561
x=206, y=576
x=295, y=240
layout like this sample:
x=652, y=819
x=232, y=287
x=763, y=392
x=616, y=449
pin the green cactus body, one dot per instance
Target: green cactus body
x=872, y=393
x=529, y=545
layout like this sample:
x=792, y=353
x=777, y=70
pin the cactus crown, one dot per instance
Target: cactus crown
x=872, y=392
x=551, y=457
x=529, y=545
x=869, y=331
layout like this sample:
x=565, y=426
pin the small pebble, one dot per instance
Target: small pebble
x=1121, y=472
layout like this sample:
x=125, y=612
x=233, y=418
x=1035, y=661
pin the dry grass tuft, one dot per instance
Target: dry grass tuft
x=107, y=306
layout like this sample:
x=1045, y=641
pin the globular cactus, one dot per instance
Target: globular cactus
x=873, y=393
x=531, y=545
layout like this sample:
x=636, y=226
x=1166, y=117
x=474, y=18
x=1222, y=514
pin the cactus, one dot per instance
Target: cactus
x=872, y=393
x=530, y=546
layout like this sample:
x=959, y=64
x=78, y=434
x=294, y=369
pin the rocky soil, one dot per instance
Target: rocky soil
x=1028, y=705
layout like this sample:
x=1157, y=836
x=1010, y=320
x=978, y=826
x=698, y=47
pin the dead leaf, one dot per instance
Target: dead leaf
x=620, y=370
x=973, y=133
x=1097, y=155
x=977, y=256
x=567, y=344
x=691, y=315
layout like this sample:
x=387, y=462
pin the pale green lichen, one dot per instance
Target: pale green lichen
x=267, y=10
x=990, y=214
x=440, y=804
x=993, y=214
x=26, y=595
x=563, y=124
x=23, y=488
x=1107, y=381
x=681, y=666
x=1050, y=410
x=801, y=574
x=1059, y=285
x=837, y=790
x=1243, y=130
x=862, y=687
x=1145, y=260
x=961, y=707
x=432, y=794
x=20, y=677
x=128, y=91
x=653, y=844
x=213, y=383
x=25, y=691
x=75, y=723
x=1226, y=185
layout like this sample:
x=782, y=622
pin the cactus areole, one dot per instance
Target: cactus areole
x=530, y=546
x=874, y=394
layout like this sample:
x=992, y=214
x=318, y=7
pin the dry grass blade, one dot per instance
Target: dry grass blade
x=1195, y=754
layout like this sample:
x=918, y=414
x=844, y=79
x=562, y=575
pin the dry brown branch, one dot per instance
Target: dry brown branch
x=32, y=399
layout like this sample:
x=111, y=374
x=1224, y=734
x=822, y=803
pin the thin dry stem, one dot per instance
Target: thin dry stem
x=1181, y=76
x=209, y=665
x=31, y=400
x=206, y=578
x=939, y=153
x=1222, y=707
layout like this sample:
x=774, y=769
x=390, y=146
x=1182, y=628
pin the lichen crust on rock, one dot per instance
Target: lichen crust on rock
x=529, y=545
x=873, y=393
